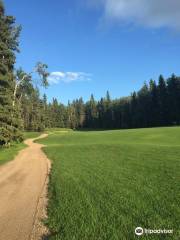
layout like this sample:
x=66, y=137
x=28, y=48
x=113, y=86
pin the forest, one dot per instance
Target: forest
x=22, y=106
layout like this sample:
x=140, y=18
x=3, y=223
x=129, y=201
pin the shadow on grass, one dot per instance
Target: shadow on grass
x=46, y=237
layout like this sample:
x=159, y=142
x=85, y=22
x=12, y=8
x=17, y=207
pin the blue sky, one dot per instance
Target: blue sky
x=98, y=45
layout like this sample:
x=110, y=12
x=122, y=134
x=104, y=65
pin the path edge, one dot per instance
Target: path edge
x=39, y=230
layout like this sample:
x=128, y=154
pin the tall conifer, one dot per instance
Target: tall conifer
x=9, y=116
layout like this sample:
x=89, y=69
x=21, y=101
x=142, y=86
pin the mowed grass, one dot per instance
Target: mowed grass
x=7, y=154
x=105, y=184
x=31, y=134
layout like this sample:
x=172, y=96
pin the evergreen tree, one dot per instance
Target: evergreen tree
x=108, y=111
x=151, y=106
x=154, y=104
x=91, y=113
x=80, y=112
x=144, y=106
x=100, y=113
x=163, y=102
x=134, y=110
x=173, y=88
x=10, y=122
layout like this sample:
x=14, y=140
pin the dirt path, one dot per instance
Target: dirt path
x=22, y=193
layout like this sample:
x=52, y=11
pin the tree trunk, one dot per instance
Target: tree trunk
x=14, y=95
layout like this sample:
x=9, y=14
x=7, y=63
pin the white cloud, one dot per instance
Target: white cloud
x=67, y=77
x=151, y=13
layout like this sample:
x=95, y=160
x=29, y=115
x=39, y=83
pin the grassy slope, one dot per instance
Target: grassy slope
x=104, y=184
x=7, y=154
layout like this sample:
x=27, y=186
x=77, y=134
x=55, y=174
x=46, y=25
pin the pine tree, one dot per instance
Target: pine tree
x=173, y=88
x=108, y=111
x=91, y=113
x=163, y=101
x=154, y=106
x=134, y=110
x=80, y=112
x=144, y=106
x=10, y=122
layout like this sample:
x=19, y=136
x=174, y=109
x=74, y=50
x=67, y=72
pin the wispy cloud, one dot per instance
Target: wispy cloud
x=67, y=77
x=150, y=13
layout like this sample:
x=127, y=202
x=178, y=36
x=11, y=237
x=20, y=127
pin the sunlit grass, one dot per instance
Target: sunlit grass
x=104, y=184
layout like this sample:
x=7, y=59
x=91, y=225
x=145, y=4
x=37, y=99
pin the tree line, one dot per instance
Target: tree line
x=155, y=104
x=23, y=108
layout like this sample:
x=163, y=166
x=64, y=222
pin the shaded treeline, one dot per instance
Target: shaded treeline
x=155, y=104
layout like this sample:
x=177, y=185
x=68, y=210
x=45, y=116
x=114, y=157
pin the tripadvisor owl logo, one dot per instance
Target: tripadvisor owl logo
x=139, y=231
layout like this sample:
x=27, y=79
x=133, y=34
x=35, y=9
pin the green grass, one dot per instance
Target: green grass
x=104, y=184
x=8, y=154
x=31, y=135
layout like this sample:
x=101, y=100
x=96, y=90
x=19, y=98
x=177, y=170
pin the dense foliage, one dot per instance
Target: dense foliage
x=10, y=122
x=155, y=104
x=20, y=103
